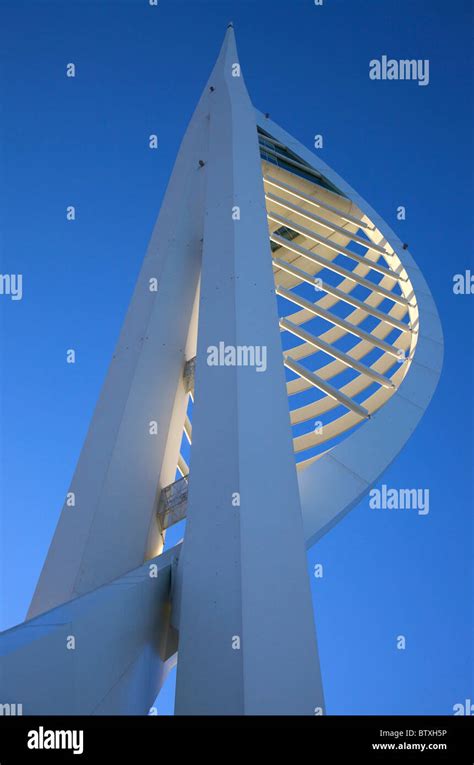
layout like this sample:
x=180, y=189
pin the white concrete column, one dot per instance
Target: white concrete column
x=247, y=642
x=125, y=460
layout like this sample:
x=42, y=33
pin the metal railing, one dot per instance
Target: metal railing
x=173, y=503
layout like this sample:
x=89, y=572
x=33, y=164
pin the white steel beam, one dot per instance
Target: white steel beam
x=247, y=642
x=321, y=345
x=338, y=322
x=310, y=234
x=314, y=200
x=303, y=213
x=326, y=387
x=346, y=297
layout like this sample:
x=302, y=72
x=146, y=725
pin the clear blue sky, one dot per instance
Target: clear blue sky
x=83, y=141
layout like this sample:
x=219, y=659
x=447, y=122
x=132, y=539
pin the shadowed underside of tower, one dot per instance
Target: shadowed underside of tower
x=283, y=328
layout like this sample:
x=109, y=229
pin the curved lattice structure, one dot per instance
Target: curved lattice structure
x=357, y=338
x=348, y=311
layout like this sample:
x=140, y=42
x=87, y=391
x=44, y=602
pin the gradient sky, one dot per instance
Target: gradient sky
x=83, y=142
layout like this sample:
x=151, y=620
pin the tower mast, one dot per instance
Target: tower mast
x=247, y=639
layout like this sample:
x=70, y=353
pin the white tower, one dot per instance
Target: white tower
x=244, y=198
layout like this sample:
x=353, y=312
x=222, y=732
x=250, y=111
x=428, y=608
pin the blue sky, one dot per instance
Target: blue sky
x=83, y=142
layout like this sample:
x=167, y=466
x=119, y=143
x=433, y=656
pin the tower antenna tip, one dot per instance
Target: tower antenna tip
x=230, y=25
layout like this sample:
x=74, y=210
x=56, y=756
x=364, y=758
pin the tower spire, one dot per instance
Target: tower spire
x=233, y=630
